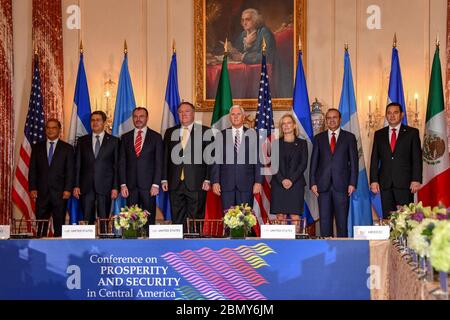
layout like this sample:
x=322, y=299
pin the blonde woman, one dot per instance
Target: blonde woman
x=288, y=184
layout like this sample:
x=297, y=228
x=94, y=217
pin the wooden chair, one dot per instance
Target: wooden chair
x=204, y=228
x=30, y=228
x=105, y=227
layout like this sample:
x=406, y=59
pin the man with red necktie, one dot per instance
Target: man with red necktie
x=396, y=163
x=140, y=164
x=334, y=174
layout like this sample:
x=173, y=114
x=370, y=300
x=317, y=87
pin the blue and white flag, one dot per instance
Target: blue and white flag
x=303, y=114
x=170, y=118
x=360, y=210
x=79, y=126
x=395, y=94
x=123, y=115
x=125, y=102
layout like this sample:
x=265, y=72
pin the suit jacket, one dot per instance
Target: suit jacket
x=237, y=176
x=297, y=164
x=399, y=168
x=144, y=171
x=196, y=171
x=339, y=169
x=99, y=175
x=56, y=177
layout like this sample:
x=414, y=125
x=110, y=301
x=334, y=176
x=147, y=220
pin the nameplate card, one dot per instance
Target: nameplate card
x=371, y=232
x=277, y=231
x=5, y=232
x=165, y=231
x=78, y=232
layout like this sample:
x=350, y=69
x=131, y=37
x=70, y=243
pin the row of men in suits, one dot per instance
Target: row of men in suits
x=140, y=164
x=395, y=168
x=137, y=166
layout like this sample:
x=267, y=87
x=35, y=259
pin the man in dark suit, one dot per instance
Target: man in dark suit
x=185, y=173
x=50, y=179
x=396, y=163
x=334, y=174
x=96, y=170
x=141, y=153
x=236, y=175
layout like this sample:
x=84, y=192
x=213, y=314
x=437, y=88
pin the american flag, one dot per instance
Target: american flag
x=34, y=133
x=264, y=122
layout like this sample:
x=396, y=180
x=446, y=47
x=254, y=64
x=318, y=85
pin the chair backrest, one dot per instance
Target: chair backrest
x=30, y=228
x=104, y=226
x=205, y=228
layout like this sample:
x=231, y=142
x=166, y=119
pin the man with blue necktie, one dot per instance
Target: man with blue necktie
x=50, y=178
x=97, y=170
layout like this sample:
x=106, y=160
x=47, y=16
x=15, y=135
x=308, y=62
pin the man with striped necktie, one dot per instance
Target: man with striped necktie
x=236, y=175
x=140, y=164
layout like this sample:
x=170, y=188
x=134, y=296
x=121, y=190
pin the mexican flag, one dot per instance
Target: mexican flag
x=436, y=169
x=220, y=121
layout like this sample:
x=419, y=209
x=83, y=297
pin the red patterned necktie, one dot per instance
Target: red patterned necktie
x=138, y=143
x=333, y=142
x=393, y=139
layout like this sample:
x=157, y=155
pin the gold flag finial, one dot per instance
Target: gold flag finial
x=394, y=44
x=35, y=48
x=81, y=47
x=300, y=46
x=437, y=41
x=125, y=47
x=174, y=46
x=346, y=46
x=225, y=46
x=264, y=45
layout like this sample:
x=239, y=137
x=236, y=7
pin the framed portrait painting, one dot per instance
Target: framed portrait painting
x=246, y=24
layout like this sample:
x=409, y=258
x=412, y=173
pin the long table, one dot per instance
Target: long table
x=185, y=269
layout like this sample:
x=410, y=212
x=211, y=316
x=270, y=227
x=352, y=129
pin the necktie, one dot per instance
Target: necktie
x=138, y=144
x=333, y=142
x=237, y=141
x=393, y=139
x=97, y=146
x=50, y=152
x=184, y=139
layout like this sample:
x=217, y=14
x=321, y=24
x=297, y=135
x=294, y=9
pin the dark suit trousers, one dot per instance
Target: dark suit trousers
x=143, y=199
x=185, y=203
x=333, y=204
x=92, y=200
x=50, y=205
x=233, y=198
x=391, y=198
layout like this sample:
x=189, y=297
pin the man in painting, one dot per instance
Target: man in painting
x=248, y=46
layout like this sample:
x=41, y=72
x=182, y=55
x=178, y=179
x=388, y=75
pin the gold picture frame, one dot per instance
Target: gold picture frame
x=203, y=27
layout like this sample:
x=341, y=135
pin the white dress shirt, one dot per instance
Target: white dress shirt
x=54, y=145
x=144, y=132
x=397, y=131
x=336, y=134
x=94, y=139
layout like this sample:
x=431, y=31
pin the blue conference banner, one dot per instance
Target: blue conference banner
x=184, y=269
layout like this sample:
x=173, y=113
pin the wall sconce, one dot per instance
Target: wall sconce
x=109, y=96
x=373, y=118
x=415, y=118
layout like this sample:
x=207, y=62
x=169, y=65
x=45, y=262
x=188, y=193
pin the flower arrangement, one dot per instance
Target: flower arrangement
x=240, y=217
x=440, y=246
x=419, y=238
x=131, y=218
x=408, y=217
